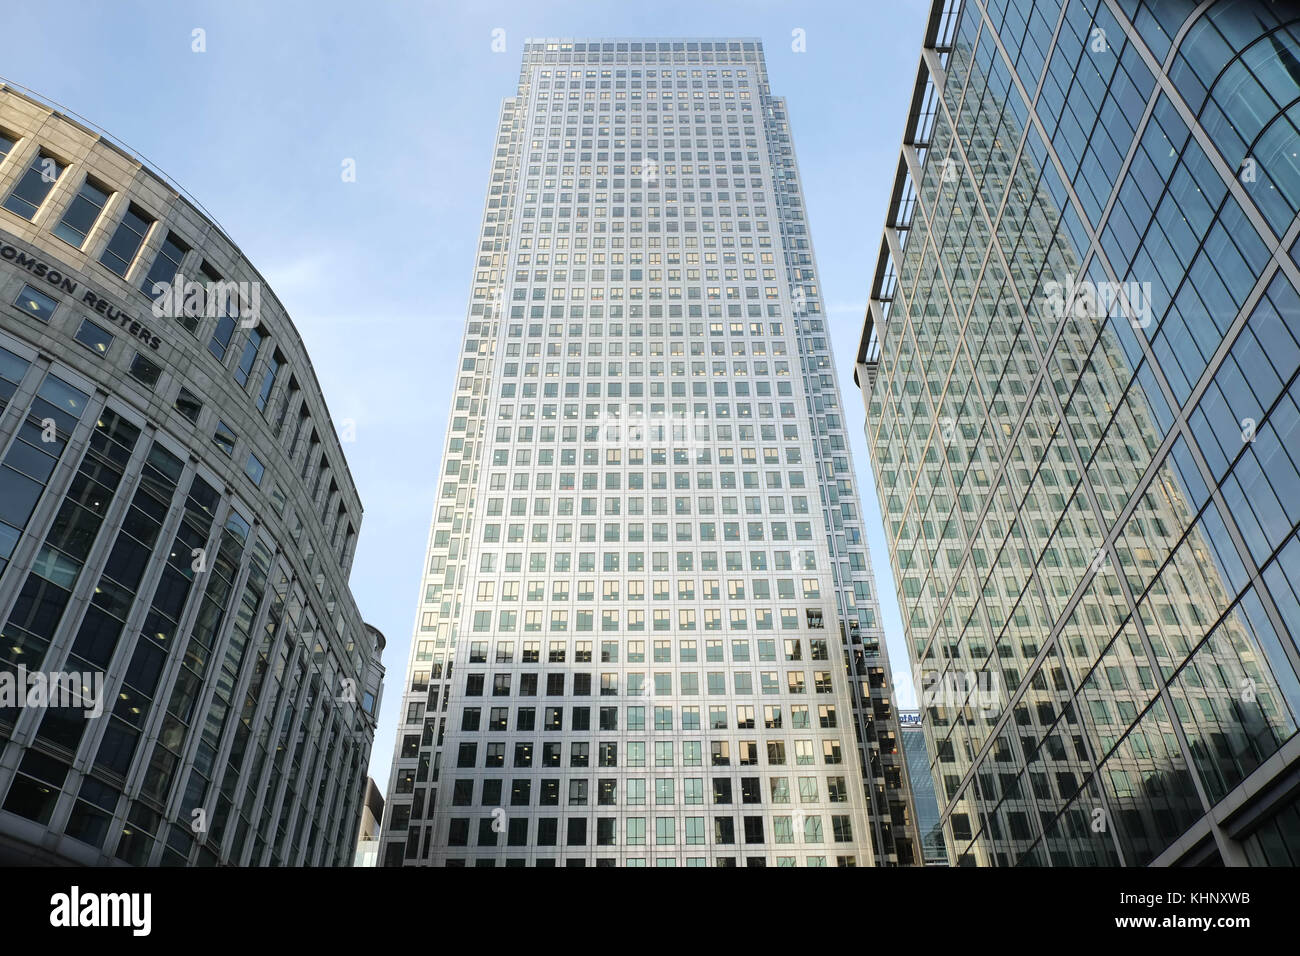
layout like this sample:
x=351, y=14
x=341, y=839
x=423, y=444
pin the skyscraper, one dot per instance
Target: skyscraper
x=1079, y=367
x=647, y=633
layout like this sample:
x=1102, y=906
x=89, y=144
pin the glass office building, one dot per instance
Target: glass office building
x=1079, y=365
x=648, y=633
x=177, y=527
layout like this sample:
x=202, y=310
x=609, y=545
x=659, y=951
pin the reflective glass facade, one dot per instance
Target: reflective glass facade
x=1079, y=364
x=648, y=633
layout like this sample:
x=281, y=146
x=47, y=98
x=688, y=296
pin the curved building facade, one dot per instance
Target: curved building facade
x=184, y=675
x=1081, y=364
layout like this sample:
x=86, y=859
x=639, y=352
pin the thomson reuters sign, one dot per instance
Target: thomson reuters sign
x=63, y=282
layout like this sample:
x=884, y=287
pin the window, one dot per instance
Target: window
x=6, y=145
x=248, y=357
x=82, y=213
x=94, y=337
x=254, y=469
x=34, y=186
x=165, y=265
x=268, y=381
x=36, y=304
x=221, y=335
x=188, y=404
x=224, y=438
x=144, y=371
x=126, y=241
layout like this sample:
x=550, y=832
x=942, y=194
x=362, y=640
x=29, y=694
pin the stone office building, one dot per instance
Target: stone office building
x=177, y=526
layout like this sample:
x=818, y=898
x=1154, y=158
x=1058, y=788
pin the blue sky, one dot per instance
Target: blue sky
x=376, y=273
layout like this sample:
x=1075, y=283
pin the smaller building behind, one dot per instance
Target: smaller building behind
x=933, y=850
x=372, y=812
